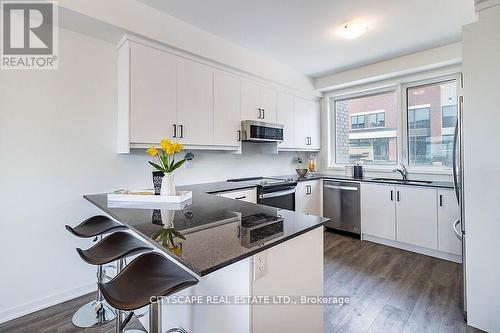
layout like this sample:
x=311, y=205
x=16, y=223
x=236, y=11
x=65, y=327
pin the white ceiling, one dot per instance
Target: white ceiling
x=302, y=33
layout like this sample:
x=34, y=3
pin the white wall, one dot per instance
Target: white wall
x=406, y=65
x=140, y=19
x=481, y=116
x=58, y=142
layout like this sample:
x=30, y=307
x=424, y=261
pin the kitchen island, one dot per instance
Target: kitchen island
x=237, y=250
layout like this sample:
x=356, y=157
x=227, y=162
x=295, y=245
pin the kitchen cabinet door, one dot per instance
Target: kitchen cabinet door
x=302, y=122
x=307, y=124
x=250, y=101
x=378, y=210
x=448, y=212
x=248, y=195
x=309, y=197
x=285, y=116
x=268, y=104
x=315, y=126
x=416, y=216
x=195, y=103
x=227, y=105
x=153, y=94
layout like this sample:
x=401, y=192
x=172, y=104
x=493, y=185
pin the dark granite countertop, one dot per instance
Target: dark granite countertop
x=212, y=226
x=438, y=184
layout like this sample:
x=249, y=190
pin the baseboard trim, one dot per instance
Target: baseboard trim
x=413, y=248
x=45, y=302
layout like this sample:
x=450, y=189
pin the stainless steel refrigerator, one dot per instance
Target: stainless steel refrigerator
x=459, y=225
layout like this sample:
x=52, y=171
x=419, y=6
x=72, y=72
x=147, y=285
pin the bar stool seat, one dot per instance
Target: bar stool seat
x=149, y=275
x=95, y=226
x=96, y=312
x=114, y=247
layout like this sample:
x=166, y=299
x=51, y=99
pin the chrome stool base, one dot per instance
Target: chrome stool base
x=177, y=330
x=87, y=316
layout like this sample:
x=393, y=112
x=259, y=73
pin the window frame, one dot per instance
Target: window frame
x=400, y=87
x=331, y=99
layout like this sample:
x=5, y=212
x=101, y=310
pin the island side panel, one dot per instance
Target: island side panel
x=292, y=268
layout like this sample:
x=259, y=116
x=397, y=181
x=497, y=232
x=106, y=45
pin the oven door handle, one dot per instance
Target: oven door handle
x=276, y=194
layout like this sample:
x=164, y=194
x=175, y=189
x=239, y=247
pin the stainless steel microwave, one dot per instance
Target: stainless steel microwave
x=257, y=131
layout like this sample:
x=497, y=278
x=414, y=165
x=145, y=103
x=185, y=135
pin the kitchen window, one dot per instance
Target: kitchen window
x=432, y=114
x=411, y=123
x=366, y=129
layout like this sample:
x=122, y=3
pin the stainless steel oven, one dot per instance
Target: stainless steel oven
x=273, y=191
x=279, y=196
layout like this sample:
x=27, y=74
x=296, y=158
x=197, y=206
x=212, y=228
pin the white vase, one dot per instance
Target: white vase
x=168, y=184
x=167, y=218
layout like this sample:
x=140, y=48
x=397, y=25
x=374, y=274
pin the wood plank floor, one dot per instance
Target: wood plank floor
x=391, y=290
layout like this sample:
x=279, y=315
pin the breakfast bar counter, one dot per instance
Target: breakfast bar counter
x=237, y=249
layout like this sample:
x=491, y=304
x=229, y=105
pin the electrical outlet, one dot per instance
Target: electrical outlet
x=259, y=266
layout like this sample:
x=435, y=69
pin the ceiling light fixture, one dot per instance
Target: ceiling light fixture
x=353, y=29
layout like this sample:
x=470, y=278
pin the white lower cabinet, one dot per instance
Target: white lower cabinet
x=248, y=195
x=448, y=212
x=309, y=197
x=378, y=210
x=416, y=216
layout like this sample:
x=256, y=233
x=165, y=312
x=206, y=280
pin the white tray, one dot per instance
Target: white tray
x=179, y=198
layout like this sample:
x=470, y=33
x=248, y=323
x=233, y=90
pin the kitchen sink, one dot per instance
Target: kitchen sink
x=399, y=180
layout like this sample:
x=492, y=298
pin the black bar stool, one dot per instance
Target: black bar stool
x=149, y=276
x=95, y=313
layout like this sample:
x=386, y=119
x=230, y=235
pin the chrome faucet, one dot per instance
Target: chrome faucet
x=403, y=171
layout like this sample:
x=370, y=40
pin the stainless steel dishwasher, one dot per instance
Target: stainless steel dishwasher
x=341, y=205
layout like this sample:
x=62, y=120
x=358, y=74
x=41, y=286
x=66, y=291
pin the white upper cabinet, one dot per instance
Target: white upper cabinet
x=378, y=210
x=307, y=124
x=153, y=94
x=164, y=93
x=227, y=104
x=448, y=212
x=195, y=103
x=416, y=216
x=257, y=102
x=315, y=126
x=286, y=117
x=268, y=99
x=250, y=101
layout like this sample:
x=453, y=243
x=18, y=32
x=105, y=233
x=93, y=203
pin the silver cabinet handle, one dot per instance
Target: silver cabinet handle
x=260, y=113
x=457, y=233
x=392, y=195
x=344, y=188
x=397, y=195
x=238, y=135
x=240, y=198
x=181, y=129
x=175, y=131
x=308, y=189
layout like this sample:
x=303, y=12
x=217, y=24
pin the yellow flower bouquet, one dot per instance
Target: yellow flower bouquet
x=167, y=163
x=166, y=156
